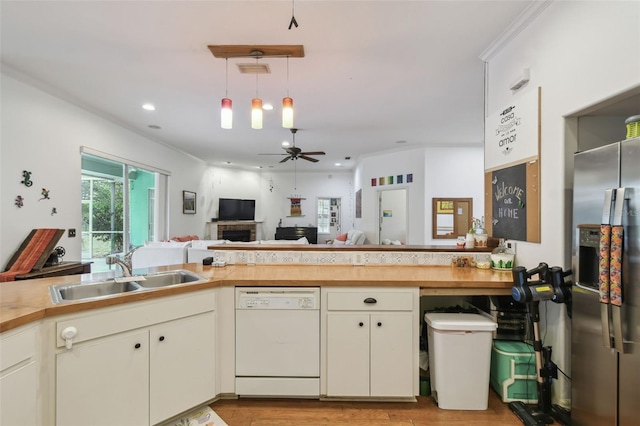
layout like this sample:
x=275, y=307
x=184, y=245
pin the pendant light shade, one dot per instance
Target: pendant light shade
x=287, y=113
x=226, y=114
x=256, y=113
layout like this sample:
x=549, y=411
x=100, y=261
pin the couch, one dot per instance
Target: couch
x=160, y=253
x=174, y=252
x=354, y=237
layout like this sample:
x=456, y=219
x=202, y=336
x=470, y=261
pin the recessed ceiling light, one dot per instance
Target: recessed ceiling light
x=338, y=164
x=149, y=107
x=267, y=107
x=154, y=127
x=285, y=143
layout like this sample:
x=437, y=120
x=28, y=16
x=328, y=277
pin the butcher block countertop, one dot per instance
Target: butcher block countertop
x=22, y=302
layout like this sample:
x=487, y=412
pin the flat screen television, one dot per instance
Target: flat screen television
x=236, y=209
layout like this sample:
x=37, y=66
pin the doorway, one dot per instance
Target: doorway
x=392, y=216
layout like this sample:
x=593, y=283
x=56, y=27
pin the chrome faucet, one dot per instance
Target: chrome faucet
x=125, y=263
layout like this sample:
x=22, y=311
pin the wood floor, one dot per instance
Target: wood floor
x=280, y=412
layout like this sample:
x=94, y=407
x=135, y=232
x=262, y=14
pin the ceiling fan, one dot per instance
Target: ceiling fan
x=293, y=152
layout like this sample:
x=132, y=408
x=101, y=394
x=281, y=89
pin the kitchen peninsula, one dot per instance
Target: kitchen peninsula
x=33, y=326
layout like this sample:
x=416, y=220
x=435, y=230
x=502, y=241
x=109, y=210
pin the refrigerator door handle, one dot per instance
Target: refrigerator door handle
x=604, y=262
x=615, y=290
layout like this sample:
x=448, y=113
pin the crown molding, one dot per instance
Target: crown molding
x=535, y=8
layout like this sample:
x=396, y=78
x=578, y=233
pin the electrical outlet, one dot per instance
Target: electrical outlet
x=71, y=233
x=512, y=246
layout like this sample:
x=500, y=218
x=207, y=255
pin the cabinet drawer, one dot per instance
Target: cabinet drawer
x=129, y=317
x=17, y=348
x=370, y=301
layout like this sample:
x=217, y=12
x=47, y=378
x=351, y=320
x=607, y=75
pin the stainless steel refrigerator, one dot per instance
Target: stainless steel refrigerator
x=605, y=350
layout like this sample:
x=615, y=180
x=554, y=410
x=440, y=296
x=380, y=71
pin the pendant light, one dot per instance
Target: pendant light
x=256, y=113
x=226, y=113
x=256, y=108
x=287, y=105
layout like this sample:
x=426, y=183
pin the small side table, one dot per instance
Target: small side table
x=64, y=268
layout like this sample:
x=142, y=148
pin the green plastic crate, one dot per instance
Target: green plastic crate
x=513, y=371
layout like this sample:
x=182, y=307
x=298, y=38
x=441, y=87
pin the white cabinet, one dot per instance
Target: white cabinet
x=181, y=365
x=105, y=382
x=18, y=378
x=161, y=364
x=371, y=343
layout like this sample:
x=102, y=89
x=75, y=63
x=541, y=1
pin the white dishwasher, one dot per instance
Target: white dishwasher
x=278, y=341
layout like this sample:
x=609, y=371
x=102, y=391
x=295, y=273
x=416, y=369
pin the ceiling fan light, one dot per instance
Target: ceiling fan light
x=226, y=114
x=287, y=113
x=256, y=113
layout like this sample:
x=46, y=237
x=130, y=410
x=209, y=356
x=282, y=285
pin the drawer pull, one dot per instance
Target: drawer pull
x=370, y=300
x=361, y=324
x=161, y=338
x=138, y=345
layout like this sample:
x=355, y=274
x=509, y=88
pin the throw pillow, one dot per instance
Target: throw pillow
x=341, y=237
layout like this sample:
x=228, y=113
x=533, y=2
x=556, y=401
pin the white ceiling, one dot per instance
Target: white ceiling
x=374, y=72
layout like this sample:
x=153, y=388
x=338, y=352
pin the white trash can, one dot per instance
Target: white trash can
x=460, y=359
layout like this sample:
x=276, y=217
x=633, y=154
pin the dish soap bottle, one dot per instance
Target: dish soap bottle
x=502, y=257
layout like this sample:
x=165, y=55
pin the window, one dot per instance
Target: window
x=328, y=216
x=119, y=214
x=324, y=215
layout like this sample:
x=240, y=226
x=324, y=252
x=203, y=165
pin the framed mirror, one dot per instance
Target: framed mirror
x=451, y=217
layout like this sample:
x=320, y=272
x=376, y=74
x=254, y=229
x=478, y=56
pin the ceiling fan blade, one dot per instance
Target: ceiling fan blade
x=313, y=153
x=304, y=157
x=284, y=159
x=272, y=154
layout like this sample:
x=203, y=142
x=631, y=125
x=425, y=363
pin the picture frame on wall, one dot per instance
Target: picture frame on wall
x=188, y=202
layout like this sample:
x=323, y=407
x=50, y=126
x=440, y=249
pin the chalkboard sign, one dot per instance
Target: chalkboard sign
x=509, y=188
x=512, y=202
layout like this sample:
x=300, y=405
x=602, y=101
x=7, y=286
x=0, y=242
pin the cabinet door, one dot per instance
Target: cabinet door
x=104, y=382
x=347, y=354
x=18, y=397
x=182, y=365
x=392, y=358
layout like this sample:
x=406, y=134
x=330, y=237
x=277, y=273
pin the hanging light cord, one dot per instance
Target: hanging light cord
x=226, y=78
x=256, y=79
x=287, y=75
x=293, y=21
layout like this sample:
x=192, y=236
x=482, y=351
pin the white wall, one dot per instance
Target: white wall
x=453, y=172
x=43, y=134
x=437, y=172
x=580, y=53
x=271, y=190
x=385, y=165
x=276, y=187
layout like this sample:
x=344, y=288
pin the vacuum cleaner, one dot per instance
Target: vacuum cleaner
x=549, y=285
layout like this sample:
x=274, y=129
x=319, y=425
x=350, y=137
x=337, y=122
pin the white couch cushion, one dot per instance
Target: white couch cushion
x=355, y=237
x=203, y=244
x=146, y=257
x=165, y=244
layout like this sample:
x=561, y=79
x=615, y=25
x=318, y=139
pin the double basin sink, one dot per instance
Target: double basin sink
x=115, y=286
